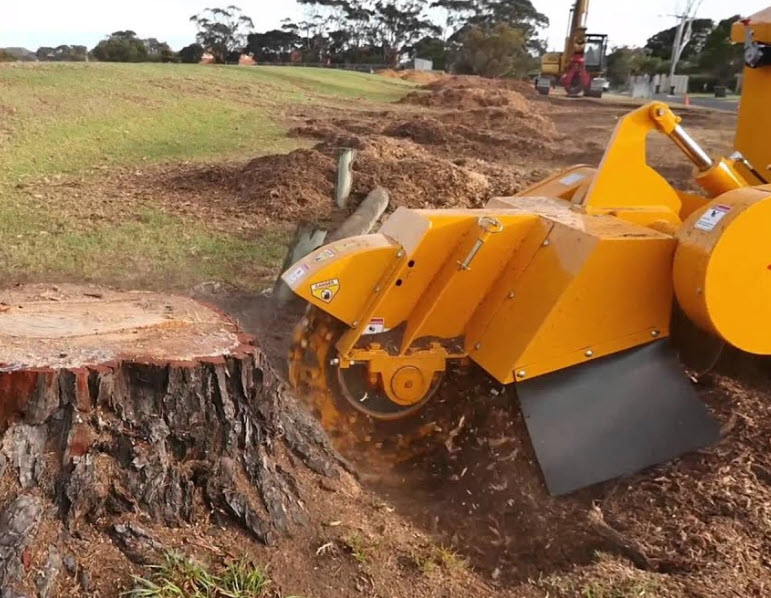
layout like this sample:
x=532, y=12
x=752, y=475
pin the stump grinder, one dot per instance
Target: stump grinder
x=565, y=291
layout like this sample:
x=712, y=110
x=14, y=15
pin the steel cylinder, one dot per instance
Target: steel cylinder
x=722, y=269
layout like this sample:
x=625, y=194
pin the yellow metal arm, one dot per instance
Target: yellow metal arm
x=627, y=187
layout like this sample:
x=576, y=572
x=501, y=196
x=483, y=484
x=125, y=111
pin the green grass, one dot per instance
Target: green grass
x=153, y=249
x=180, y=577
x=67, y=118
x=82, y=120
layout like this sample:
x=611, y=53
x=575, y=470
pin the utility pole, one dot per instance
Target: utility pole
x=682, y=37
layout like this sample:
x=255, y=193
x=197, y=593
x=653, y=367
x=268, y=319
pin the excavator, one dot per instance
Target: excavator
x=565, y=291
x=580, y=67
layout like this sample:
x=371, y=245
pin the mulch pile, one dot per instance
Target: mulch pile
x=457, y=143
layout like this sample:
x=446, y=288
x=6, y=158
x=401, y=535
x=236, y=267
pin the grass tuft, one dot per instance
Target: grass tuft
x=181, y=577
x=432, y=558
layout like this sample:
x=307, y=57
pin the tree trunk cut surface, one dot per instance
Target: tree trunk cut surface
x=118, y=405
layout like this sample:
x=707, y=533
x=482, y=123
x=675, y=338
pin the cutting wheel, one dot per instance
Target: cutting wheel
x=334, y=391
x=366, y=392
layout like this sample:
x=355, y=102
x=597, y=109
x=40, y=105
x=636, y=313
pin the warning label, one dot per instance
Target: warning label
x=325, y=255
x=296, y=275
x=712, y=217
x=326, y=290
x=375, y=326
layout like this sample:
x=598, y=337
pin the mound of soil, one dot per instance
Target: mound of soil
x=466, y=98
x=419, y=77
x=472, y=82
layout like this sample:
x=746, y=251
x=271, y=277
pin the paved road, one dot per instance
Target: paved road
x=730, y=104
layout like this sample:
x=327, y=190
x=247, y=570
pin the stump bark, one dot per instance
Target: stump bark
x=114, y=403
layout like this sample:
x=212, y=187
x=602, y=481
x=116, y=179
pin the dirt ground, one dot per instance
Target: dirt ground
x=470, y=515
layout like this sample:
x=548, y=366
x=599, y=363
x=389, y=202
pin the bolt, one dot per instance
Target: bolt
x=660, y=112
x=400, y=254
x=546, y=243
x=589, y=353
x=655, y=333
x=334, y=361
x=521, y=374
x=377, y=289
x=511, y=295
x=352, y=362
x=355, y=324
x=477, y=346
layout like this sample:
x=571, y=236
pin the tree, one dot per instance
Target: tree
x=660, y=45
x=63, y=53
x=191, y=54
x=488, y=14
x=720, y=57
x=433, y=49
x=399, y=25
x=222, y=31
x=497, y=53
x=121, y=46
x=7, y=56
x=158, y=51
x=273, y=46
x=624, y=62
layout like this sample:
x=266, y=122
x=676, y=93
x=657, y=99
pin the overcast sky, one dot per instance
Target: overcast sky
x=34, y=23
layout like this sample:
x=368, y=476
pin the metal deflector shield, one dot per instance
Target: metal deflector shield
x=613, y=417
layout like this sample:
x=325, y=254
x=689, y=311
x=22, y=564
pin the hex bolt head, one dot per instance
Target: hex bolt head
x=511, y=295
x=546, y=243
x=521, y=374
x=655, y=333
x=400, y=254
x=589, y=353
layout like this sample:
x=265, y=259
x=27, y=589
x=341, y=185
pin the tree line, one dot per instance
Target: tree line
x=486, y=37
x=709, y=59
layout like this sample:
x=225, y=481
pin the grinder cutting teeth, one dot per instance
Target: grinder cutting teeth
x=565, y=290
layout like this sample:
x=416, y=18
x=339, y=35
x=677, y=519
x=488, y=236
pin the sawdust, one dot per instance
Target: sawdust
x=419, y=77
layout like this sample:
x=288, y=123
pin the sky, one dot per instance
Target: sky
x=36, y=23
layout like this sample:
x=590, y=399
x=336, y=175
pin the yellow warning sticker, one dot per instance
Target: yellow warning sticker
x=326, y=290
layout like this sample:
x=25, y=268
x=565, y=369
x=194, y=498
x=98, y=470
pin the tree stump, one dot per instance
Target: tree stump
x=134, y=402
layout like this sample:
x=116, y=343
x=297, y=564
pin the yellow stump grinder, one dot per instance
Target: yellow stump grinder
x=565, y=290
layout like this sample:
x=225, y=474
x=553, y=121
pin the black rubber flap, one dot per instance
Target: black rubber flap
x=613, y=416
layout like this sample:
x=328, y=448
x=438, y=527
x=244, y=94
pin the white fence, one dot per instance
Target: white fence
x=645, y=86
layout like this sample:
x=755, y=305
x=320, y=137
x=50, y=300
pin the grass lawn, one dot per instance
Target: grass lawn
x=82, y=120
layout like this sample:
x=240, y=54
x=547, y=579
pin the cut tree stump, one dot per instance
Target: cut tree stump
x=116, y=403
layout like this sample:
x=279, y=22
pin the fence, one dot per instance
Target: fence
x=362, y=68
x=645, y=86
